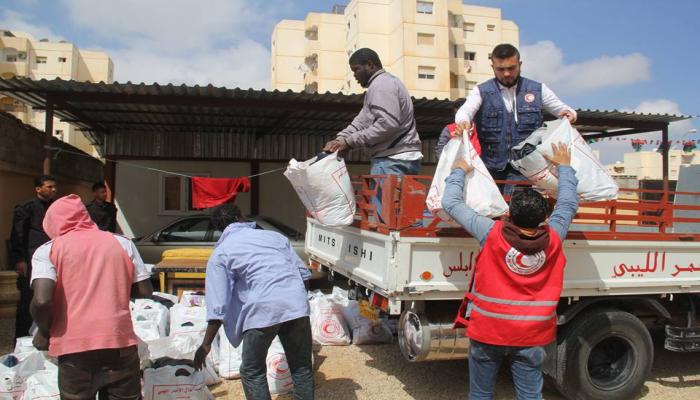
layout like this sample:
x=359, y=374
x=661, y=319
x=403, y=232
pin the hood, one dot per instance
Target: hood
x=526, y=244
x=65, y=215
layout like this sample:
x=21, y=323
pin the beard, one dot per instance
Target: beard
x=509, y=85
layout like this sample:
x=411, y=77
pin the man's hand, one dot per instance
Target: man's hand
x=569, y=115
x=334, y=145
x=200, y=356
x=21, y=268
x=463, y=165
x=462, y=128
x=561, y=155
x=41, y=341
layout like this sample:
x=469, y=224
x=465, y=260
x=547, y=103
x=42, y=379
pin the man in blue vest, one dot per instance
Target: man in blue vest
x=506, y=110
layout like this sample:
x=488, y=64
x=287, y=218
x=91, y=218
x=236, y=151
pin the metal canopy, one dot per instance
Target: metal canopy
x=100, y=109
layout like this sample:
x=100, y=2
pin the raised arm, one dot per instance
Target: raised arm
x=567, y=199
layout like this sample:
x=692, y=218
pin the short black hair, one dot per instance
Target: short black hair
x=98, y=185
x=363, y=56
x=504, y=50
x=224, y=215
x=528, y=208
x=40, y=180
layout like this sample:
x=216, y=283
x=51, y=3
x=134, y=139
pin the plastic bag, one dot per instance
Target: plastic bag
x=43, y=384
x=480, y=190
x=149, y=310
x=174, y=382
x=229, y=357
x=279, y=377
x=327, y=323
x=364, y=331
x=193, y=298
x=324, y=188
x=594, y=182
x=13, y=378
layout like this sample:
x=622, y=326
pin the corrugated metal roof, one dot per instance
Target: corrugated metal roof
x=112, y=114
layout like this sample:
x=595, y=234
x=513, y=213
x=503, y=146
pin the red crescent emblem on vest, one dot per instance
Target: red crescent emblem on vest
x=523, y=264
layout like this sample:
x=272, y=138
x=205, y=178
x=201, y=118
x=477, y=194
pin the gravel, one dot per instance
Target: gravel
x=380, y=372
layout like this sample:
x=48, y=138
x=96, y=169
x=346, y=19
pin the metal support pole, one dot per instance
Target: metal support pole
x=48, y=135
x=666, y=146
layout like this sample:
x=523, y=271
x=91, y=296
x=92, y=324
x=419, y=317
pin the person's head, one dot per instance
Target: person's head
x=505, y=61
x=65, y=215
x=364, y=63
x=224, y=215
x=45, y=187
x=528, y=209
x=99, y=191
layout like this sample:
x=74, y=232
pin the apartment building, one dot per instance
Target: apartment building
x=439, y=48
x=21, y=55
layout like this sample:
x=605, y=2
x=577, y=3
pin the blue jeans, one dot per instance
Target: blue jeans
x=295, y=336
x=389, y=166
x=526, y=367
x=508, y=174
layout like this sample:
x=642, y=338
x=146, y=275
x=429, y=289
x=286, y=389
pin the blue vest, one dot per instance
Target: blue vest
x=497, y=129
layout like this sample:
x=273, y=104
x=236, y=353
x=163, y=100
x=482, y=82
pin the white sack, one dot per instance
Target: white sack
x=182, y=347
x=325, y=189
x=279, y=377
x=327, y=323
x=13, y=380
x=192, y=298
x=594, y=182
x=480, y=190
x=151, y=310
x=364, y=331
x=174, y=382
x=43, y=385
x=229, y=357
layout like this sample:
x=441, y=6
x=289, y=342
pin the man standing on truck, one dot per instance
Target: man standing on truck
x=507, y=109
x=510, y=308
x=385, y=125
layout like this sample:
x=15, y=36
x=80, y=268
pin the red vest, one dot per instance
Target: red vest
x=513, y=298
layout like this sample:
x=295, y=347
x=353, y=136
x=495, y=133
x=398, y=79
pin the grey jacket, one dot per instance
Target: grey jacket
x=385, y=125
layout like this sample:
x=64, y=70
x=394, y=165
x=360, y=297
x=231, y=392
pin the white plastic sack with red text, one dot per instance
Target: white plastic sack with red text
x=279, y=377
x=325, y=189
x=43, y=385
x=328, y=327
x=480, y=190
x=594, y=182
x=174, y=382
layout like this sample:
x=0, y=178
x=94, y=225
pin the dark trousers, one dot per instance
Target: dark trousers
x=23, y=319
x=110, y=373
x=295, y=336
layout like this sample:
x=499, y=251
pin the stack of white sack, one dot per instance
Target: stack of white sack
x=480, y=190
x=150, y=319
x=328, y=327
x=324, y=188
x=279, y=376
x=594, y=182
x=17, y=368
x=364, y=330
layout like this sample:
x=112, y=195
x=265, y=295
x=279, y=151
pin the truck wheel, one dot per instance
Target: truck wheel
x=603, y=354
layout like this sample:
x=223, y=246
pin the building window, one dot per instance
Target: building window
x=470, y=85
x=455, y=51
x=59, y=134
x=490, y=27
x=62, y=59
x=21, y=55
x=424, y=7
x=11, y=58
x=41, y=60
x=426, y=72
x=176, y=193
x=469, y=55
x=426, y=39
x=468, y=27
x=454, y=81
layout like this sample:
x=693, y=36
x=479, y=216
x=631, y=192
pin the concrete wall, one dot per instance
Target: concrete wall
x=21, y=161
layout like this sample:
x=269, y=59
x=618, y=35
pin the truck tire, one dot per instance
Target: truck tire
x=603, y=354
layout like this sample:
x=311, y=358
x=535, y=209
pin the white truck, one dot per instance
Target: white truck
x=628, y=271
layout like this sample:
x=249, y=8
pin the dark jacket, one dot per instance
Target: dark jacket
x=104, y=214
x=27, y=230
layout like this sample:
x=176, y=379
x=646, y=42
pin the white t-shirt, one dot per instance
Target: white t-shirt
x=42, y=267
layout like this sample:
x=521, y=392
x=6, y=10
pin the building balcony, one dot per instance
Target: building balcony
x=456, y=35
x=11, y=69
x=312, y=46
x=17, y=43
x=311, y=62
x=457, y=66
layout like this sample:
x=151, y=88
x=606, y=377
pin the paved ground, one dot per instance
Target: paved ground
x=380, y=372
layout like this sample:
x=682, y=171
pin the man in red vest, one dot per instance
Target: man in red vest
x=510, y=309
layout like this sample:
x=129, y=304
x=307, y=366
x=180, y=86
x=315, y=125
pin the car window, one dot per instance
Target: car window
x=189, y=230
x=286, y=230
